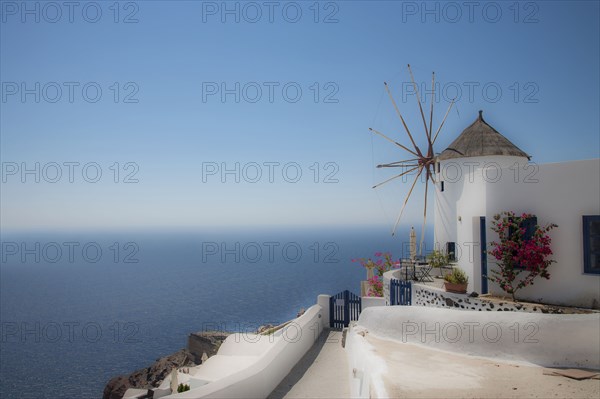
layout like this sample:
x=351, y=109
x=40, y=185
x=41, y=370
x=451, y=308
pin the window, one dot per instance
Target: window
x=441, y=186
x=451, y=251
x=591, y=244
x=529, y=225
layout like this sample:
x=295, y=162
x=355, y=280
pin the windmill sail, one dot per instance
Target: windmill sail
x=421, y=162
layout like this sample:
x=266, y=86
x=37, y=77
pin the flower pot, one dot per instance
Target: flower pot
x=456, y=288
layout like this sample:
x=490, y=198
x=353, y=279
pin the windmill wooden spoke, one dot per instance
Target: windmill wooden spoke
x=424, y=216
x=418, y=100
x=387, y=165
x=430, y=149
x=443, y=120
x=399, y=164
x=431, y=112
x=395, y=142
x=406, y=200
x=395, y=177
x=406, y=160
x=402, y=119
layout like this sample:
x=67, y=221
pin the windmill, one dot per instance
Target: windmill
x=420, y=162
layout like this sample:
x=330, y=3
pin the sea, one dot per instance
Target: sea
x=78, y=308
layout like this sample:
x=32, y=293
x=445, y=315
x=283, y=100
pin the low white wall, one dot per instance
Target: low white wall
x=365, y=366
x=275, y=355
x=323, y=301
x=542, y=339
x=370, y=301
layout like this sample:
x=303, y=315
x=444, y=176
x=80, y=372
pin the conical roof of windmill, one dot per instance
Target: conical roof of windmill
x=480, y=139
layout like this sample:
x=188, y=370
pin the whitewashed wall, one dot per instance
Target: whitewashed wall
x=556, y=193
x=273, y=358
x=365, y=365
x=370, y=301
x=522, y=337
x=542, y=339
x=463, y=201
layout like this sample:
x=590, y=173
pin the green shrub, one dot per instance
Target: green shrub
x=438, y=259
x=458, y=276
x=183, y=388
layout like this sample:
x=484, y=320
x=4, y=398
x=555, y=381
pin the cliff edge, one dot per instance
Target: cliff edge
x=198, y=343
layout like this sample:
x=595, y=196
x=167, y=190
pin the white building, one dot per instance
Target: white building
x=481, y=174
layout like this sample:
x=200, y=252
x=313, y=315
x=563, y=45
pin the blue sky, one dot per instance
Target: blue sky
x=533, y=67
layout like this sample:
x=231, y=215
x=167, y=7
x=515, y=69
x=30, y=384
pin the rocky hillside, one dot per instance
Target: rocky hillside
x=205, y=342
x=150, y=377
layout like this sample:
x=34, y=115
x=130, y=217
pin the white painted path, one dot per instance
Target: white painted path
x=321, y=373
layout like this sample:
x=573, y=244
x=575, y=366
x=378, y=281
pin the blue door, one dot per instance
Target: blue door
x=483, y=241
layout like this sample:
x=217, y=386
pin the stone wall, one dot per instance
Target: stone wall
x=424, y=295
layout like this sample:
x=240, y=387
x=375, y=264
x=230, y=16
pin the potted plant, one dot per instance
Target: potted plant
x=456, y=281
x=438, y=259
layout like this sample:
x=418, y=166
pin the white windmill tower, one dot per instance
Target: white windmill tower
x=476, y=159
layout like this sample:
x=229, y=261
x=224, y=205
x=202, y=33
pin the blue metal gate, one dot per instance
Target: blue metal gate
x=344, y=307
x=400, y=292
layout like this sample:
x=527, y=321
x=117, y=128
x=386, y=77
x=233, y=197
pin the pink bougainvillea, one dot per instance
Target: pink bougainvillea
x=381, y=265
x=520, y=258
x=375, y=286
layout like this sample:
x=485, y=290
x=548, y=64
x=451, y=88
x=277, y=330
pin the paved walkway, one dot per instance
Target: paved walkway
x=418, y=372
x=321, y=373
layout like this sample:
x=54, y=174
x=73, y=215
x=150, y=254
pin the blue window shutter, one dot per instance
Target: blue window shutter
x=591, y=244
x=529, y=226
